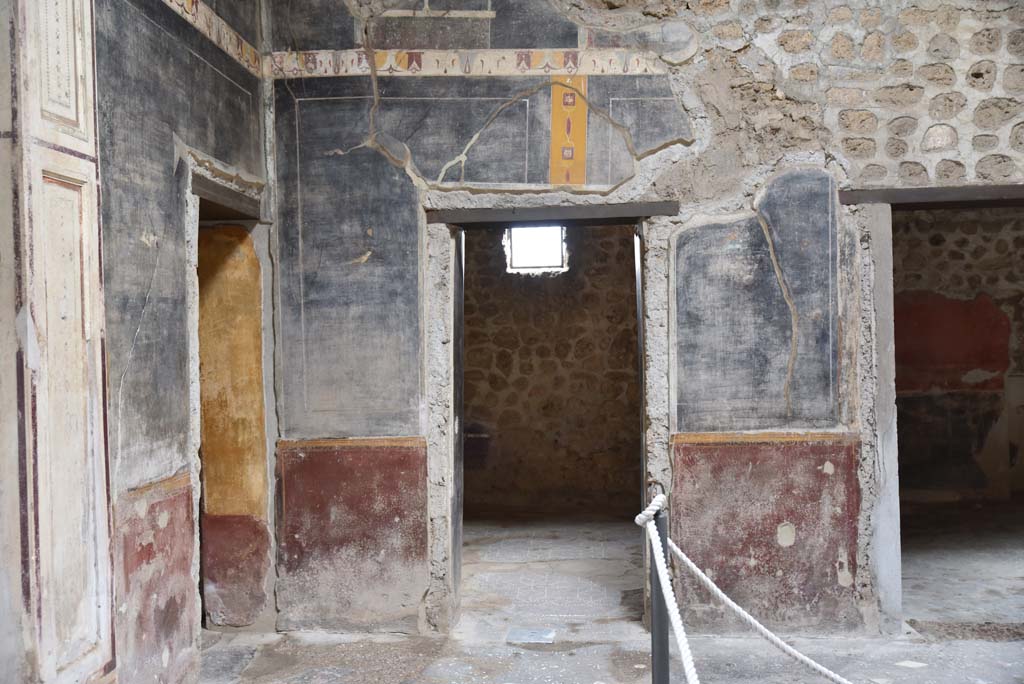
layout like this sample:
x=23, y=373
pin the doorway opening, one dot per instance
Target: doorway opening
x=959, y=328
x=552, y=448
x=234, y=538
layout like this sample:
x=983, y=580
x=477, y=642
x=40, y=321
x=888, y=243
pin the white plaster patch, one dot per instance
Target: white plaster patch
x=843, y=575
x=976, y=376
x=28, y=337
x=785, y=535
x=912, y=664
x=163, y=519
x=828, y=468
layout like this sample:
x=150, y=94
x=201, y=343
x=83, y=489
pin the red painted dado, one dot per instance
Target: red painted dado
x=157, y=596
x=352, y=533
x=236, y=559
x=772, y=518
x=940, y=341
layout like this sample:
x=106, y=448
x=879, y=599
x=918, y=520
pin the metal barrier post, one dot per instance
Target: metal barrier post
x=660, y=627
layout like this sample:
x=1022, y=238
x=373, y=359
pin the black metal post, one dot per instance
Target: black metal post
x=660, y=627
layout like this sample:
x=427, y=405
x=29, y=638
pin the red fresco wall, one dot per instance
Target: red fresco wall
x=157, y=594
x=940, y=340
x=772, y=518
x=352, y=533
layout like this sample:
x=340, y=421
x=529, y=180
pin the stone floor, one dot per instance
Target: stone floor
x=963, y=568
x=548, y=603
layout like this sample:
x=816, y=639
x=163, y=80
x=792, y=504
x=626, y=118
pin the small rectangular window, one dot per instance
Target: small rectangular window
x=536, y=249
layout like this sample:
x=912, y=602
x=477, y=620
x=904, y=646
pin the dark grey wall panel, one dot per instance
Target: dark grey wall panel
x=733, y=322
x=531, y=24
x=646, y=107
x=348, y=293
x=800, y=209
x=476, y=5
x=437, y=117
x=157, y=78
x=429, y=33
x=311, y=25
x=941, y=436
x=241, y=15
x=349, y=223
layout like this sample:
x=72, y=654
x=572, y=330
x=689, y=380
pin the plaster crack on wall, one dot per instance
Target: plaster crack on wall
x=462, y=157
x=620, y=128
x=135, y=339
x=794, y=315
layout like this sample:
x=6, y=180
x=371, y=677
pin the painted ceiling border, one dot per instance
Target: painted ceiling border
x=483, y=62
x=218, y=31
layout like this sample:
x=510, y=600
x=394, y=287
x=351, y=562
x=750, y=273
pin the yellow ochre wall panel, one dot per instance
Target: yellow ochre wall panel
x=568, y=130
x=234, y=458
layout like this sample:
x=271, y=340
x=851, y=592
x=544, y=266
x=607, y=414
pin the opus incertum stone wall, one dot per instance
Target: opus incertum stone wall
x=924, y=95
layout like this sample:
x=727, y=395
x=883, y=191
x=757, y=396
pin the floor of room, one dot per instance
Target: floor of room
x=963, y=569
x=559, y=602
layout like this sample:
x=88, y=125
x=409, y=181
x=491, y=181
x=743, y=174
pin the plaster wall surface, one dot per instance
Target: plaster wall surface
x=159, y=611
x=848, y=95
x=352, y=531
x=164, y=92
x=161, y=83
x=552, y=409
x=773, y=519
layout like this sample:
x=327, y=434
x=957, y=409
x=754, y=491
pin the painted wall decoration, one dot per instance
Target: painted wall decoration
x=351, y=557
x=568, y=165
x=484, y=62
x=164, y=85
x=959, y=323
x=755, y=318
x=217, y=30
x=773, y=519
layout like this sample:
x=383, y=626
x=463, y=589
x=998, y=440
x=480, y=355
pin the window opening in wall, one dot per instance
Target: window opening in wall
x=536, y=249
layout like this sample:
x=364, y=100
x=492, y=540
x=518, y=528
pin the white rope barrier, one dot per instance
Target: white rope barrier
x=646, y=520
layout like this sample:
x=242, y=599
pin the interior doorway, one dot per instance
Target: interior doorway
x=959, y=331
x=234, y=538
x=552, y=439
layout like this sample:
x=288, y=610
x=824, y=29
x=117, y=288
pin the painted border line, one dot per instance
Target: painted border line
x=440, y=14
x=208, y=23
x=561, y=62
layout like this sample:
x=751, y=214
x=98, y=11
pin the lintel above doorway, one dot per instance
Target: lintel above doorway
x=591, y=214
x=954, y=197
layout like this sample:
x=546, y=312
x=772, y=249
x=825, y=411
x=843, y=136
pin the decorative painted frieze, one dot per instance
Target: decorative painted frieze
x=568, y=160
x=206, y=21
x=561, y=62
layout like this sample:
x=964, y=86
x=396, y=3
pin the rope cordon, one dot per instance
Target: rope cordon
x=646, y=520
